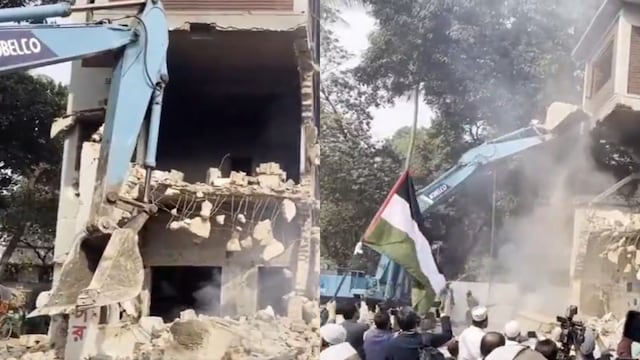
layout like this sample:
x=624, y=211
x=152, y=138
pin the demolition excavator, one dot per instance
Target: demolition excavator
x=135, y=100
x=390, y=281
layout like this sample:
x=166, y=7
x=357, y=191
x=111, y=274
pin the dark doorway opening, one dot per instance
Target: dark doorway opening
x=178, y=288
x=273, y=285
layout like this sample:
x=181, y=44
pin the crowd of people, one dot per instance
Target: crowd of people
x=401, y=334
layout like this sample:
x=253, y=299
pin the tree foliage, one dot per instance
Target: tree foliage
x=485, y=67
x=29, y=162
x=356, y=171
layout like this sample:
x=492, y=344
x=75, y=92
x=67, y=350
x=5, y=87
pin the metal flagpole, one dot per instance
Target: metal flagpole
x=493, y=234
x=412, y=139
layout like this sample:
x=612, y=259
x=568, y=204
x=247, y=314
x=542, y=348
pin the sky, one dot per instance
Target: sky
x=354, y=37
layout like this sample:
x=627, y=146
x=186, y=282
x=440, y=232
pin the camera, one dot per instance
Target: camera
x=572, y=335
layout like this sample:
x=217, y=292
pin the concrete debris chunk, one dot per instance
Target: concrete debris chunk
x=263, y=336
x=247, y=243
x=220, y=219
x=233, y=245
x=288, y=208
x=197, y=226
x=213, y=174
x=273, y=250
x=263, y=232
x=205, y=209
x=241, y=218
x=239, y=178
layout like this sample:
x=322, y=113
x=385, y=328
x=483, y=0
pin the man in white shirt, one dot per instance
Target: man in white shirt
x=469, y=340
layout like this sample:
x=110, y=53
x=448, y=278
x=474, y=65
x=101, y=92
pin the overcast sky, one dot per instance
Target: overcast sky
x=354, y=36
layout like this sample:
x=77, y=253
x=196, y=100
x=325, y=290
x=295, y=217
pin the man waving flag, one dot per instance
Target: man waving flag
x=395, y=231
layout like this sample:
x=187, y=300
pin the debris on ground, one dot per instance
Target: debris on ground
x=608, y=328
x=262, y=337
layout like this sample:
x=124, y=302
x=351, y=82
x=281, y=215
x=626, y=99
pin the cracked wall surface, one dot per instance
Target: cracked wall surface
x=605, y=268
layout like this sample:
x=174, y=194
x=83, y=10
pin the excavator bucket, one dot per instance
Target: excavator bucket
x=118, y=276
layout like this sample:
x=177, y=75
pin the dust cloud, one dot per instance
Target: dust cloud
x=537, y=253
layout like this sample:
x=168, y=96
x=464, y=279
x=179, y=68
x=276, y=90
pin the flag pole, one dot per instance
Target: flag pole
x=412, y=139
x=407, y=165
x=493, y=234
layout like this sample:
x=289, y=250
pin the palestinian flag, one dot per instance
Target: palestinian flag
x=395, y=231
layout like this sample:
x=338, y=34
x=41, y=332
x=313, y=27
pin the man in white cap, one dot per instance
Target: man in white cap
x=470, y=338
x=333, y=345
x=512, y=332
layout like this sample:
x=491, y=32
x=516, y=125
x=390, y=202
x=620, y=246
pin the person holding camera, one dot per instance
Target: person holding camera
x=409, y=344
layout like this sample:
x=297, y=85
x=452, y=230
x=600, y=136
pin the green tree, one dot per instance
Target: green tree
x=357, y=172
x=29, y=161
x=485, y=67
x=400, y=142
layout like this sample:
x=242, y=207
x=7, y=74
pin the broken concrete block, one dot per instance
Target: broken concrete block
x=205, y=209
x=271, y=168
x=247, y=243
x=270, y=181
x=188, y=314
x=288, y=209
x=239, y=178
x=241, y=218
x=266, y=314
x=197, y=226
x=294, y=308
x=298, y=326
x=171, y=192
x=200, y=227
x=212, y=175
x=220, y=219
x=233, y=245
x=263, y=232
x=32, y=340
x=310, y=311
x=175, y=176
x=272, y=250
x=151, y=324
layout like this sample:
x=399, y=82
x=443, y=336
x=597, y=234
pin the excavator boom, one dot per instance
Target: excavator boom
x=390, y=278
x=135, y=100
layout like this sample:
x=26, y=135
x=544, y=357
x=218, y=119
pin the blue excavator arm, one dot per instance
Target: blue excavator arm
x=443, y=187
x=390, y=279
x=490, y=152
x=137, y=87
x=138, y=81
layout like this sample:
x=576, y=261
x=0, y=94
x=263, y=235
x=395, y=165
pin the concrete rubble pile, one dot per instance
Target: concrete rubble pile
x=270, y=179
x=262, y=337
x=609, y=330
x=623, y=252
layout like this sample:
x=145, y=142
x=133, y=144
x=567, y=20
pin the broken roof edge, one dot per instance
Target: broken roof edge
x=221, y=26
x=602, y=20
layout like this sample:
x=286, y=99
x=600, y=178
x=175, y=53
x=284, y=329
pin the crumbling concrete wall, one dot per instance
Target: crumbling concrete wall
x=603, y=279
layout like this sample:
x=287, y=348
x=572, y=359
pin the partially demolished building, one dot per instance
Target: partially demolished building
x=236, y=229
x=605, y=260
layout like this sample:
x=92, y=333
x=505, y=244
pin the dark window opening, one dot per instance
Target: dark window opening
x=273, y=285
x=235, y=119
x=629, y=287
x=602, y=69
x=178, y=288
x=243, y=164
